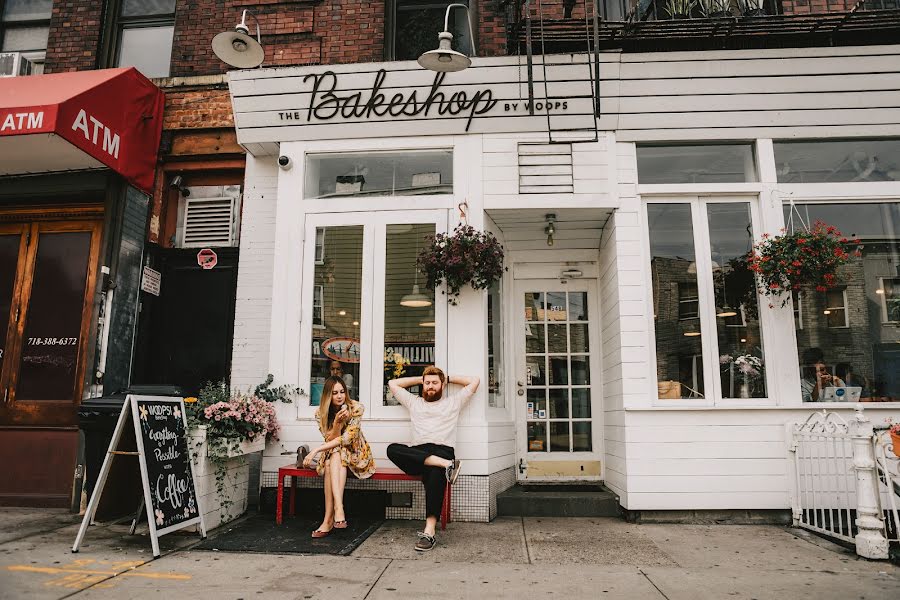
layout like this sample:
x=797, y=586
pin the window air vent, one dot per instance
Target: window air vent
x=209, y=222
x=545, y=169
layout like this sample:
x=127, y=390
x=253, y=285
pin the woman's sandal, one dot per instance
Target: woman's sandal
x=318, y=533
x=340, y=524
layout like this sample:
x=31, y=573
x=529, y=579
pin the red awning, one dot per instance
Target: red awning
x=81, y=120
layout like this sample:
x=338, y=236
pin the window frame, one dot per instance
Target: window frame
x=844, y=307
x=115, y=23
x=712, y=384
x=390, y=27
x=37, y=55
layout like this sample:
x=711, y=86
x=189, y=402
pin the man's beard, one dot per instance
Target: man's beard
x=432, y=396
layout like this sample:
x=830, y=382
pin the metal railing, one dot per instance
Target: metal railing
x=844, y=481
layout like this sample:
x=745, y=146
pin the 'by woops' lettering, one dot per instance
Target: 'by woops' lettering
x=326, y=104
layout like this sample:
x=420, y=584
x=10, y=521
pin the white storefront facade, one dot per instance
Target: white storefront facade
x=612, y=353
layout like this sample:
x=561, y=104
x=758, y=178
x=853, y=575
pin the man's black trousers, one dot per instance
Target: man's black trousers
x=412, y=460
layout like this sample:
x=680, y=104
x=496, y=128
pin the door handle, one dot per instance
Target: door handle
x=520, y=384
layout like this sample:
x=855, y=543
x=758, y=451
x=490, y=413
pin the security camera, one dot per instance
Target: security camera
x=176, y=182
x=284, y=162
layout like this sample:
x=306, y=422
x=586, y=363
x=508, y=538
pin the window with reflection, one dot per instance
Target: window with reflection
x=422, y=172
x=709, y=163
x=848, y=341
x=145, y=30
x=409, y=317
x=495, y=347
x=820, y=161
x=337, y=310
x=679, y=365
x=738, y=336
x=416, y=24
x=24, y=29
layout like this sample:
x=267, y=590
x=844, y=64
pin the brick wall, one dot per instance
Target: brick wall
x=75, y=27
x=197, y=109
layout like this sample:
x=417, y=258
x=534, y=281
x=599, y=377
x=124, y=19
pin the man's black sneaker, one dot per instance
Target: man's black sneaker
x=425, y=542
x=452, y=471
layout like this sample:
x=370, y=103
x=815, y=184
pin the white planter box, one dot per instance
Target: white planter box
x=232, y=503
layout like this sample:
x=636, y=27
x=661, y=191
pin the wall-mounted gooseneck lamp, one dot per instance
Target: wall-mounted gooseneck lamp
x=238, y=48
x=550, y=229
x=445, y=59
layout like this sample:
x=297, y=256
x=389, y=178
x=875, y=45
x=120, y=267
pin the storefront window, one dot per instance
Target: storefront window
x=409, y=318
x=740, y=345
x=848, y=340
x=495, y=347
x=337, y=306
x=418, y=173
x=679, y=366
x=712, y=163
x=837, y=160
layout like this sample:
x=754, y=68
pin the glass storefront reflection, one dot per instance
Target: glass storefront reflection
x=673, y=267
x=848, y=338
x=409, y=318
x=741, y=358
x=337, y=309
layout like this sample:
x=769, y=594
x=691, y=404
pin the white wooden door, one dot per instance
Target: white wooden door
x=558, y=403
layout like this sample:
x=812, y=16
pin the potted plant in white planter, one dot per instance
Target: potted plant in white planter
x=225, y=426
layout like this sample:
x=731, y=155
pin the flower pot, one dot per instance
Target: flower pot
x=221, y=475
x=895, y=441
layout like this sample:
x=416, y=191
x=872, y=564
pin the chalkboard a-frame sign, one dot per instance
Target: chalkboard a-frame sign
x=167, y=474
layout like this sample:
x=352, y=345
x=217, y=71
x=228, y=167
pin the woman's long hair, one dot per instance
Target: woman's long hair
x=324, y=414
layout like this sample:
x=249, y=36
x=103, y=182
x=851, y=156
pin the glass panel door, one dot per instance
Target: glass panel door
x=44, y=353
x=557, y=398
x=12, y=238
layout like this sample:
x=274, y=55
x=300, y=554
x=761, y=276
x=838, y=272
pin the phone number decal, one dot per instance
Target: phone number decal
x=52, y=341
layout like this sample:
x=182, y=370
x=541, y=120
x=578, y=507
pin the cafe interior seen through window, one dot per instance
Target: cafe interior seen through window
x=337, y=310
x=848, y=340
x=680, y=285
x=823, y=161
x=423, y=172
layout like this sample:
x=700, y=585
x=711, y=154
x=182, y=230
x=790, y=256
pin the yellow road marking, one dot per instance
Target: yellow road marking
x=59, y=570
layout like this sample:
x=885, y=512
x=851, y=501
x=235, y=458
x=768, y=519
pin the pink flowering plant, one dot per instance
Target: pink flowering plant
x=465, y=257
x=233, y=414
x=805, y=258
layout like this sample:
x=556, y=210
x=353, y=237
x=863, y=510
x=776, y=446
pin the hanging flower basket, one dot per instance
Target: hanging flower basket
x=807, y=258
x=465, y=257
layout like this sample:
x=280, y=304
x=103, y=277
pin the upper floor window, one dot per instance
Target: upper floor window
x=826, y=161
x=423, y=172
x=24, y=30
x=144, y=30
x=414, y=26
x=694, y=163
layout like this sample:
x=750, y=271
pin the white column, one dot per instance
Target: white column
x=870, y=541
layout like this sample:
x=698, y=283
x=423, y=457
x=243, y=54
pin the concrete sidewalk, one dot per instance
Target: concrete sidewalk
x=509, y=558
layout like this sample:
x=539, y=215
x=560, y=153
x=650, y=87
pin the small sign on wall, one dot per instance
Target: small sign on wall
x=151, y=282
x=207, y=258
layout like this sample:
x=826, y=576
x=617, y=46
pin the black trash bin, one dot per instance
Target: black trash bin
x=97, y=419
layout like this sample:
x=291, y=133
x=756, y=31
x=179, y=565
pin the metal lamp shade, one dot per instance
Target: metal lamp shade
x=416, y=299
x=238, y=49
x=445, y=59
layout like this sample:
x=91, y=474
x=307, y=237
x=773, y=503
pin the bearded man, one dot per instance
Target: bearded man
x=431, y=454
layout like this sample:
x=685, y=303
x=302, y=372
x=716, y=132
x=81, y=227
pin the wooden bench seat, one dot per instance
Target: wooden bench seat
x=294, y=472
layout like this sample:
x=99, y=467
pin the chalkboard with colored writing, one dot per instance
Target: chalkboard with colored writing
x=163, y=445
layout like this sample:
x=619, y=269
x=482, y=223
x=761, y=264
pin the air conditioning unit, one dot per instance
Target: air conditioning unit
x=10, y=64
x=13, y=64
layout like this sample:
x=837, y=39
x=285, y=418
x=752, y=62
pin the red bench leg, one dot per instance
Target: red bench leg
x=293, y=495
x=278, y=501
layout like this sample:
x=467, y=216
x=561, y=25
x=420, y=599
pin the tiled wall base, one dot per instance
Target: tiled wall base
x=474, y=496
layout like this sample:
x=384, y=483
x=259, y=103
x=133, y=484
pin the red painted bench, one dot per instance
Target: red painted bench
x=381, y=474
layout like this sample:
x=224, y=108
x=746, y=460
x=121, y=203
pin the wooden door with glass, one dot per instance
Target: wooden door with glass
x=47, y=279
x=558, y=406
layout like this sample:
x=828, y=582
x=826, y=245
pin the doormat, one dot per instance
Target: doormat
x=259, y=533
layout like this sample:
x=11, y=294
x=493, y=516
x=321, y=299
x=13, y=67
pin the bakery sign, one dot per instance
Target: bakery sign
x=274, y=105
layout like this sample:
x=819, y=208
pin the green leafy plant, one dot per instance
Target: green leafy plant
x=282, y=393
x=465, y=257
x=804, y=258
x=679, y=8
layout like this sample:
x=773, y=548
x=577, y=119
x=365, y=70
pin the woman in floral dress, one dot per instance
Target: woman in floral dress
x=344, y=448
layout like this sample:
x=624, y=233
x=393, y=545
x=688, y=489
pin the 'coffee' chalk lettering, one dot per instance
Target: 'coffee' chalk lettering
x=171, y=489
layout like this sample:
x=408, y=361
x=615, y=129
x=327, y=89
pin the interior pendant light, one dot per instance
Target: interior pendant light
x=415, y=299
x=726, y=311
